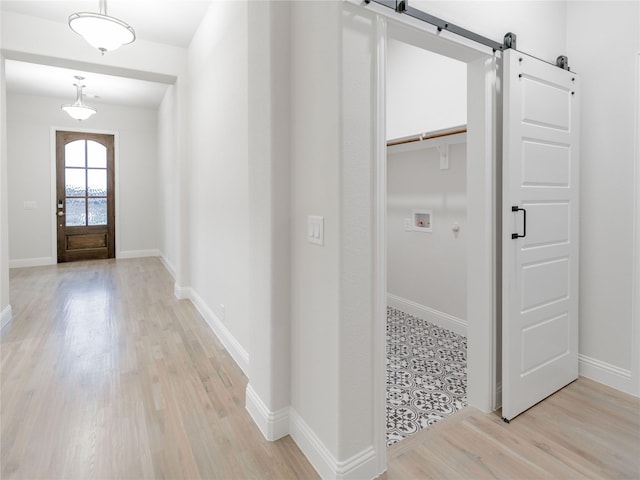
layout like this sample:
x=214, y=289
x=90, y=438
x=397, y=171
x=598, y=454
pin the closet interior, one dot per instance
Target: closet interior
x=426, y=239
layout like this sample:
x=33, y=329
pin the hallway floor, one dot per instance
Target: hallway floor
x=106, y=375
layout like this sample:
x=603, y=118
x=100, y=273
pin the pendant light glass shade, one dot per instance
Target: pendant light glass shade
x=100, y=30
x=78, y=110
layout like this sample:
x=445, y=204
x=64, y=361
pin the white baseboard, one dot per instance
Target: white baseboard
x=138, y=253
x=182, y=293
x=360, y=466
x=5, y=317
x=32, y=262
x=609, y=375
x=273, y=425
x=234, y=348
x=168, y=265
x=441, y=319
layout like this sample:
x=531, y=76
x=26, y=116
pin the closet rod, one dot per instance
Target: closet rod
x=427, y=136
x=402, y=6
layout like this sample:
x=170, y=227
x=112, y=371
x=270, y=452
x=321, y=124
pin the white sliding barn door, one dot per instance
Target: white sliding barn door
x=540, y=266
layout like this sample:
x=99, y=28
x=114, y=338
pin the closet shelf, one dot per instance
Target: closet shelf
x=428, y=136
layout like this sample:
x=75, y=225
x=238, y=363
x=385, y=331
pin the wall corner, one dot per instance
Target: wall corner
x=273, y=425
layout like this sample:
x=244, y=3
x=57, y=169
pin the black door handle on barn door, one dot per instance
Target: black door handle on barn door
x=524, y=228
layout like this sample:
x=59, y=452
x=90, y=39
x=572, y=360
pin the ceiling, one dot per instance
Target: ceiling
x=164, y=21
x=171, y=22
x=26, y=78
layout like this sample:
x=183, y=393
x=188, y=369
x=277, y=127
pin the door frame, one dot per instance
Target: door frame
x=53, y=170
x=483, y=209
x=635, y=301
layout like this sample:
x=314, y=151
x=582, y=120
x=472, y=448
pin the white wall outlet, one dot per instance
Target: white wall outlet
x=407, y=225
x=221, y=312
x=315, y=229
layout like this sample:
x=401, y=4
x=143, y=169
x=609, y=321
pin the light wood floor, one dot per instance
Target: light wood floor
x=585, y=430
x=106, y=375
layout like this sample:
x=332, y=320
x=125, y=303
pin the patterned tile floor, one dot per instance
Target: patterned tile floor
x=426, y=374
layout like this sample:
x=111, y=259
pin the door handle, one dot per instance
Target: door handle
x=524, y=228
x=61, y=214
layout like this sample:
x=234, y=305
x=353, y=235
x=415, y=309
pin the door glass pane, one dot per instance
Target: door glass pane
x=74, y=154
x=97, y=211
x=96, y=155
x=74, y=182
x=97, y=182
x=75, y=212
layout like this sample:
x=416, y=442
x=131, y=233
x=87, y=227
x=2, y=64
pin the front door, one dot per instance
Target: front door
x=540, y=241
x=85, y=203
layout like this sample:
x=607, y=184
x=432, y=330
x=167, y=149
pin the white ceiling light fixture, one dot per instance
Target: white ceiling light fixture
x=78, y=110
x=100, y=30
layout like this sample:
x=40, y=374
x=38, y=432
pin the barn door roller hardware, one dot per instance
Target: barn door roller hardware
x=509, y=41
x=402, y=6
x=563, y=62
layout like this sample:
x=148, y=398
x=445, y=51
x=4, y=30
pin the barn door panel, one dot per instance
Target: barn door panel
x=540, y=231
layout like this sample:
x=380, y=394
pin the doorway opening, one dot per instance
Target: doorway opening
x=85, y=196
x=426, y=121
x=482, y=219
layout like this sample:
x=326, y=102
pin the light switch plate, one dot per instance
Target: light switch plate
x=315, y=229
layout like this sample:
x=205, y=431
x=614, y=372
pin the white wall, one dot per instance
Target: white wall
x=217, y=155
x=425, y=91
x=168, y=176
x=5, y=309
x=428, y=268
x=540, y=25
x=29, y=122
x=315, y=158
x=609, y=132
x=269, y=200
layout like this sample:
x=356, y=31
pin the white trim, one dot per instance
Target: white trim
x=498, y=399
x=361, y=465
x=635, y=283
x=168, y=265
x=273, y=425
x=482, y=225
x=425, y=29
x=32, y=262
x=441, y=319
x=6, y=317
x=610, y=375
x=182, y=293
x=380, y=252
x=53, y=176
x=138, y=253
x=232, y=346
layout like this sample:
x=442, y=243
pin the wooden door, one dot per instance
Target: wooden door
x=85, y=205
x=540, y=240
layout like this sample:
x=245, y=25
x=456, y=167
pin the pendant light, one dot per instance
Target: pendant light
x=78, y=110
x=100, y=30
